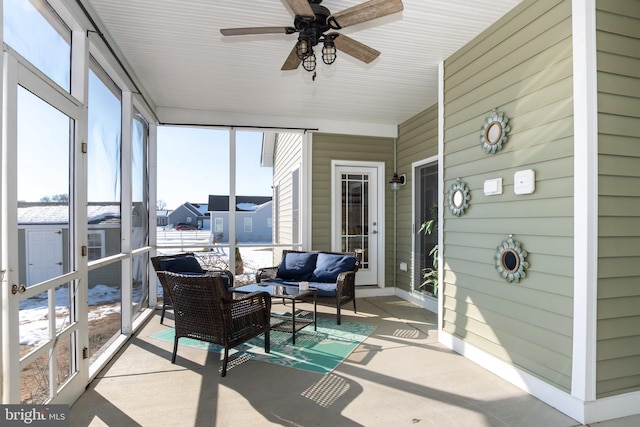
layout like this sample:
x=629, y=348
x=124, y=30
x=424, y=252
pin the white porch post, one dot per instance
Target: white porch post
x=585, y=233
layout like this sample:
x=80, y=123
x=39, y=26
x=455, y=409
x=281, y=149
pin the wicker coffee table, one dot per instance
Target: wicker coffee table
x=282, y=322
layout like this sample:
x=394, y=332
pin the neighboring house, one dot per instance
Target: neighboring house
x=195, y=214
x=47, y=225
x=162, y=217
x=253, y=219
x=283, y=152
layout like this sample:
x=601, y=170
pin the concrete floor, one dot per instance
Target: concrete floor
x=399, y=376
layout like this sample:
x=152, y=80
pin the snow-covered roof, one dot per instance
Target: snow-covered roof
x=52, y=213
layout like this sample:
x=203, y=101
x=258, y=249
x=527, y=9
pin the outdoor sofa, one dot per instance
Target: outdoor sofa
x=333, y=274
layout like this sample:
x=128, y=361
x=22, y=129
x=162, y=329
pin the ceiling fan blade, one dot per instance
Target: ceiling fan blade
x=354, y=48
x=257, y=30
x=292, y=62
x=301, y=8
x=364, y=12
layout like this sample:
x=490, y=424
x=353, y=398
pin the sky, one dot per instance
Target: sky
x=192, y=162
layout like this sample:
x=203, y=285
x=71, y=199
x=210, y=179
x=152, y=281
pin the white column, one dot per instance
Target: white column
x=9, y=231
x=585, y=231
x=126, y=207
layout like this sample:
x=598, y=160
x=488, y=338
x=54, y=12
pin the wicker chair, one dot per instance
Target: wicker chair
x=205, y=311
x=158, y=262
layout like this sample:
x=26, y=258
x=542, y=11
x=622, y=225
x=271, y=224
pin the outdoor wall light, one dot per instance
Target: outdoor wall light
x=398, y=181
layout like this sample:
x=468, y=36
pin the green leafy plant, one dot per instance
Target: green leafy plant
x=430, y=275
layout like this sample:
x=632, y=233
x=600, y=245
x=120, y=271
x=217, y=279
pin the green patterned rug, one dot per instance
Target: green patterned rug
x=315, y=351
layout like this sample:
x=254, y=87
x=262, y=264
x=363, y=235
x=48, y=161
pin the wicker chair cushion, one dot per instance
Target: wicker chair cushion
x=183, y=265
x=297, y=265
x=329, y=266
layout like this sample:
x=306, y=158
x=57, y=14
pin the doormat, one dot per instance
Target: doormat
x=315, y=351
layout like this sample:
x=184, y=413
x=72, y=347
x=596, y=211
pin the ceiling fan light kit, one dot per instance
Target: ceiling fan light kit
x=313, y=21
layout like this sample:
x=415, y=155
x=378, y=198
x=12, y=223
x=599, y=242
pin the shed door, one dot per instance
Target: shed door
x=44, y=255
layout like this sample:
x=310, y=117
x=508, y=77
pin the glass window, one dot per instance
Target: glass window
x=193, y=163
x=248, y=225
x=43, y=200
x=95, y=245
x=295, y=206
x=219, y=222
x=104, y=158
x=40, y=36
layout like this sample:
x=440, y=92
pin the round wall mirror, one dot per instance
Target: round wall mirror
x=511, y=260
x=458, y=198
x=494, y=132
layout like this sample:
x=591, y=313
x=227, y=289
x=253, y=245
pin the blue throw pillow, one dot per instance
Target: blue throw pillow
x=183, y=264
x=329, y=266
x=297, y=265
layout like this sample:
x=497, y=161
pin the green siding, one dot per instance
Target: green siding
x=618, y=60
x=521, y=66
x=417, y=140
x=328, y=147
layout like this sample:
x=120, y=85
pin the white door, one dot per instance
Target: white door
x=44, y=255
x=356, y=222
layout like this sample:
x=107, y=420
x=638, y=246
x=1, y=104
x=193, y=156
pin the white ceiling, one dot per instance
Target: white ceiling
x=192, y=74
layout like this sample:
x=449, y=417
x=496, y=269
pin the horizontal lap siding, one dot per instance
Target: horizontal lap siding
x=618, y=330
x=521, y=66
x=287, y=157
x=417, y=140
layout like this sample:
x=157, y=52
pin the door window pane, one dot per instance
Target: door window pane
x=43, y=199
x=40, y=36
x=355, y=215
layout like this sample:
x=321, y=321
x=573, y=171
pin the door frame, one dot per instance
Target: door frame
x=381, y=227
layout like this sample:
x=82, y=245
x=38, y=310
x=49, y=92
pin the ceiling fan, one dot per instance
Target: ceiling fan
x=313, y=22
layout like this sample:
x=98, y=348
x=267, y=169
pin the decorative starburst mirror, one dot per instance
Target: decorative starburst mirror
x=494, y=132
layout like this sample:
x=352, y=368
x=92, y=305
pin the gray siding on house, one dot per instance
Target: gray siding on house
x=328, y=147
x=618, y=332
x=417, y=140
x=522, y=66
x=287, y=158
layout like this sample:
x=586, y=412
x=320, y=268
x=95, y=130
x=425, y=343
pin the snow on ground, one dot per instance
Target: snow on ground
x=104, y=300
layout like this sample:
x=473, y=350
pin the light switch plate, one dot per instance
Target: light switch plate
x=524, y=182
x=493, y=186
